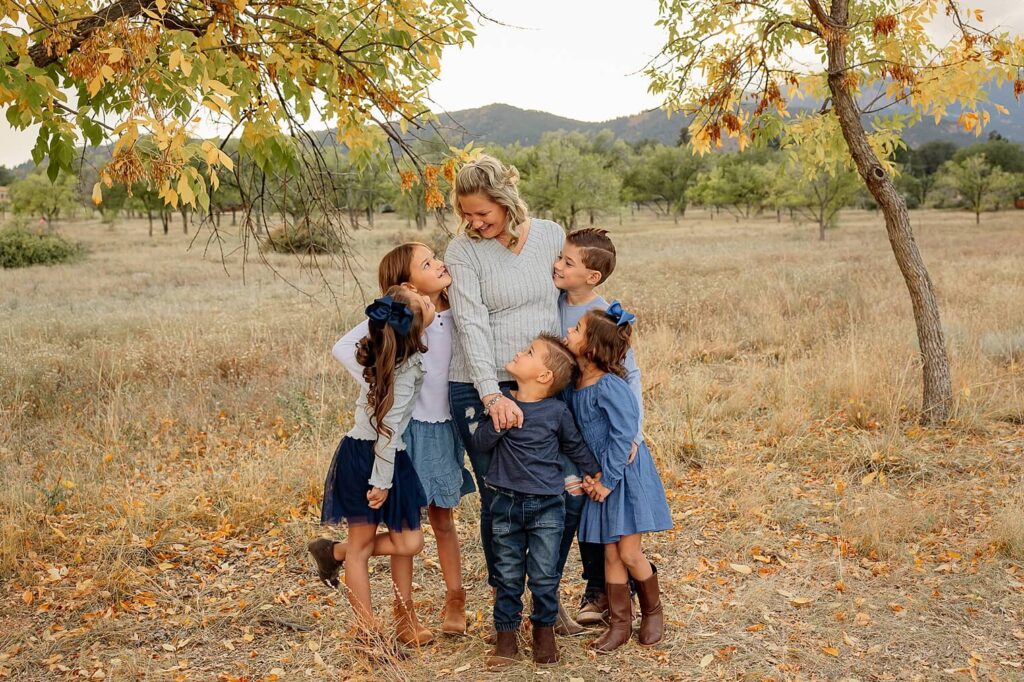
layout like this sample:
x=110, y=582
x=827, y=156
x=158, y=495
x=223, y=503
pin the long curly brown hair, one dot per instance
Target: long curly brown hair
x=382, y=351
x=606, y=343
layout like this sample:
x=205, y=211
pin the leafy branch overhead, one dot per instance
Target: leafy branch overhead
x=739, y=65
x=142, y=73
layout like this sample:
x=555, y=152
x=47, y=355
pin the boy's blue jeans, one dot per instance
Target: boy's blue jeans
x=526, y=532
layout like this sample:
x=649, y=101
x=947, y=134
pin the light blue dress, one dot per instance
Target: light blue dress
x=606, y=413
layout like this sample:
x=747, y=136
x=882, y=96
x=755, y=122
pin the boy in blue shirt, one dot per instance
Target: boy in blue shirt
x=528, y=513
x=586, y=261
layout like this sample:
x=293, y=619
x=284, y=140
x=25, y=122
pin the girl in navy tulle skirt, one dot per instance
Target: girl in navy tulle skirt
x=371, y=480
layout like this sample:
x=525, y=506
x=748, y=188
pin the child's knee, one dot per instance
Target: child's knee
x=408, y=543
x=633, y=558
x=442, y=520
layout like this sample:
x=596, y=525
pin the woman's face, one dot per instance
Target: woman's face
x=427, y=273
x=483, y=215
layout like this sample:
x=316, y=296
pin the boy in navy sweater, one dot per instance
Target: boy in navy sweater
x=528, y=510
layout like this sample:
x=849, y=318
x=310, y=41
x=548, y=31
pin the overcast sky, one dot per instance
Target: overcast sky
x=575, y=58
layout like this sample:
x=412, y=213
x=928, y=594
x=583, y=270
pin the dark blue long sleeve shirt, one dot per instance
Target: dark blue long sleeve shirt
x=526, y=459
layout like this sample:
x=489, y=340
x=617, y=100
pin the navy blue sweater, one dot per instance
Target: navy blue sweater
x=526, y=459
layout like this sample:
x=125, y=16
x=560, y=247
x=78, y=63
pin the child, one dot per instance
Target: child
x=432, y=440
x=629, y=498
x=371, y=479
x=528, y=512
x=586, y=261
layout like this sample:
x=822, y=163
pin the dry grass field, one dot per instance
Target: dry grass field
x=166, y=420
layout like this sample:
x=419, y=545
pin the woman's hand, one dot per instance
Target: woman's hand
x=504, y=412
x=376, y=497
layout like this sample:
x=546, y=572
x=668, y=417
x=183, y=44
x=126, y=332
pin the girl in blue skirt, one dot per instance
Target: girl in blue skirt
x=431, y=438
x=627, y=499
x=371, y=480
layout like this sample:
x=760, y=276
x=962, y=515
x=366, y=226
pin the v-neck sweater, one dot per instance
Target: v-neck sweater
x=500, y=301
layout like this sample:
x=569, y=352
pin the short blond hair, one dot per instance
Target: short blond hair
x=489, y=176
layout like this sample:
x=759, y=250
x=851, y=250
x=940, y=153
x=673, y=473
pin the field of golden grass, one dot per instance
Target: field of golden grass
x=167, y=416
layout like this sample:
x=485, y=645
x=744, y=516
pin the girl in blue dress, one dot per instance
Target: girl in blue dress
x=627, y=499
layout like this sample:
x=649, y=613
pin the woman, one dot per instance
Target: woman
x=502, y=297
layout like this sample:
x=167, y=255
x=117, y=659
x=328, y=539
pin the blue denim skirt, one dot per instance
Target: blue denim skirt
x=439, y=460
x=347, y=484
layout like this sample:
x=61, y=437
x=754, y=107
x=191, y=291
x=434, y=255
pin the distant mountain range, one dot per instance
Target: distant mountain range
x=505, y=124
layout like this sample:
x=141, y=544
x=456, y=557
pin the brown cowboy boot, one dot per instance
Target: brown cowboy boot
x=506, y=652
x=454, y=613
x=408, y=629
x=652, y=623
x=545, y=651
x=620, y=619
x=565, y=626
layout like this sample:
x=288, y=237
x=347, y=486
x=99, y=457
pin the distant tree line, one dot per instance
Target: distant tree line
x=571, y=177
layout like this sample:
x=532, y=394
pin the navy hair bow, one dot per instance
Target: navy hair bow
x=395, y=313
x=621, y=316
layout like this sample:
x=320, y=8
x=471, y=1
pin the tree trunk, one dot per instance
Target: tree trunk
x=937, y=398
x=165, y=219
x=821, y=229
x=977, y=216
x=234, y=218
x=149, y=214
x=184, y=219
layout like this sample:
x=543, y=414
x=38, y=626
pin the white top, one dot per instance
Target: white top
x=408, y=379
x=432, y=401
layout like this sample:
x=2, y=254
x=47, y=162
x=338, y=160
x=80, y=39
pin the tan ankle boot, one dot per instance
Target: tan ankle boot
x=408, y=629
x=620, y=619
x=454, y=613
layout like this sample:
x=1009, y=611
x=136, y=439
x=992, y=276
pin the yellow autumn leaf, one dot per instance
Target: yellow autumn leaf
x=867, y=479
x=741, y=568
x=706, y=661
x=831, y=651
x=97, y=194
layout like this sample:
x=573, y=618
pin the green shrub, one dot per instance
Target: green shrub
x=21, y=247
x=303, y=237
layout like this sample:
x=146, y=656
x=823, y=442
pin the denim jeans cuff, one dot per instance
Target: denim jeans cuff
x=507, y=627
x=539, y=624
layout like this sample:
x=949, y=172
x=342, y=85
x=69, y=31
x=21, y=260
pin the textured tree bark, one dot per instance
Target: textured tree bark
x=937, y=398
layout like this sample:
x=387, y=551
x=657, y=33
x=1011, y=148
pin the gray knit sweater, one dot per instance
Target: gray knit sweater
x=500, y=301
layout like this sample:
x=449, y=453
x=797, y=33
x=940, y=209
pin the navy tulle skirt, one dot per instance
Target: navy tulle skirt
x=347, y=484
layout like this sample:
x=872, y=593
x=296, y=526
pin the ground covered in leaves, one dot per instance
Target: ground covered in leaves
x=166, y=428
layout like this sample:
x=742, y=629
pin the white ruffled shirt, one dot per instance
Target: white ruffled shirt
x=432, y=402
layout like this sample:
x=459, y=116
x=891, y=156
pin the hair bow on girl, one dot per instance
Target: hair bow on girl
x=621, y=316
x=395, y=313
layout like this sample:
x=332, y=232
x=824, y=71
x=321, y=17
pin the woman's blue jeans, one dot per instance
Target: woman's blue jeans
x=466, y=410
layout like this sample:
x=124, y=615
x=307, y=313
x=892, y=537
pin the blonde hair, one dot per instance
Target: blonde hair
x=489, y=176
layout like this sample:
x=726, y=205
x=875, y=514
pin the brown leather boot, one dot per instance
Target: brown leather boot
x=594, y=612
x=545, y=651
x=454, y=613
x=620, y=619
x=408, y=629
x=506, y=651
x=565, y=626
x=652, y=623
